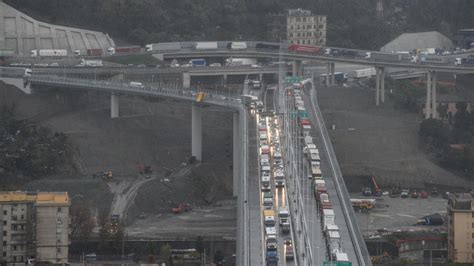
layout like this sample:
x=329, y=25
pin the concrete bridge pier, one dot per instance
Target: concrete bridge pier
x=224, y=79
x=430, y=106
x=333, y=76
x=114, y=105
x=260, y=76
x=297, y=68
x=186, y=80
x=236, y=155
x=328, y=72
x=379, y=85
x=428, y=95
x=434, y=113
x=196, y=132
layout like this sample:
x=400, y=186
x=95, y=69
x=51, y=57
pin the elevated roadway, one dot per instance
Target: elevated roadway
x=293, y=56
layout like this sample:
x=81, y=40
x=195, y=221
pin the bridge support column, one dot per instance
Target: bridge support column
x=224, y=79
x=186, y=80
x=236, y=155
x=434, y=109
x=382, y=85
x=196, y=132
x=114, y=106
x=333, y=76
x=377, y=86
x=260, y=76
x=428, y=96
x=328, y=73
x=297, y=69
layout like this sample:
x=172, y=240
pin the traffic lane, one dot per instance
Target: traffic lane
x=313, y=223
x=282, y=203
x=328, y=175
x=253, y=183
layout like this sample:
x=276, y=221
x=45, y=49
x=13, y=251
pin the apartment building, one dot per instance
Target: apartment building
x=305, y=28
x=461, y=229
x=299, y=26
x=34, y=226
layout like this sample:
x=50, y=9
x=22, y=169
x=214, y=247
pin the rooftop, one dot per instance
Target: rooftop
x=299, y=12
x=38, y=197
x=463, y=202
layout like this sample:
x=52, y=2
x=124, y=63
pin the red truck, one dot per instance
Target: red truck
x=305, y=121
x=304, y=48
x=94, y=52
x=318, y=190
x=127, y=50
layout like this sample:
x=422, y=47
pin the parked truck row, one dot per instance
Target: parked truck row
x=323, y=201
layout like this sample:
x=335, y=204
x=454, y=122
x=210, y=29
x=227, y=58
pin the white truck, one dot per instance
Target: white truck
x=205, y=45
x=333, y=240
x=48, y=53
x=328, y=217
x=237, y=45
x=241, y=61
x=363, y=73
x=284, y=217
x=164, y=46
x=90, y=63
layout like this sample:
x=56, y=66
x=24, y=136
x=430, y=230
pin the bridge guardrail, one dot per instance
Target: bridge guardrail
x=216, y=97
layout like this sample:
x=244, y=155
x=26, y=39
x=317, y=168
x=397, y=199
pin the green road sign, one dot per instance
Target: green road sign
x=291, y=80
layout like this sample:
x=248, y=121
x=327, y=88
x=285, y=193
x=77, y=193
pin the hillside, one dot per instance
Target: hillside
x=351, y=23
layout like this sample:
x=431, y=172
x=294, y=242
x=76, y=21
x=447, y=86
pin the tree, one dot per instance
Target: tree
x=82, y=222
x=165, y=253
x=151, y=252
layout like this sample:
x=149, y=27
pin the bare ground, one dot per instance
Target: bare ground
x=154, y=132
x=379, y=141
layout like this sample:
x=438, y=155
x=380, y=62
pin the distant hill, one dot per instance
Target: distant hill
x=351, y=23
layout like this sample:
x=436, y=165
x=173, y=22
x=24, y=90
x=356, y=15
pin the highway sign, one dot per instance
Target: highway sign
x=291, y=80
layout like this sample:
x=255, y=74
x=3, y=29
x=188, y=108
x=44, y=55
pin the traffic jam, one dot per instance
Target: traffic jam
x=313, y=169
x=278, y=240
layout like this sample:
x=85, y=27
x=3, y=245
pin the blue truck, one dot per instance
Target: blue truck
x=198, y=62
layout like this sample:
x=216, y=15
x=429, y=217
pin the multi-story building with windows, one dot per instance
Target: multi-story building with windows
x=299, y=26
x=461, y=229
x=34, y=226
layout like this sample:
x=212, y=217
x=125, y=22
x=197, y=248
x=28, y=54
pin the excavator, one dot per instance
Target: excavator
x=377, y=190
x=106, y=175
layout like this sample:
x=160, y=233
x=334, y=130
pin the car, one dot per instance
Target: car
x=141, y=65
x=404, y=193
x=434, y=192
x=424, y=194
x=446, y=195
x=414, y=194
x=288, y=242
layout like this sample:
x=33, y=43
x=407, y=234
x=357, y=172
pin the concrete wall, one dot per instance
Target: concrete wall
x=21, y=33
x=52, y=233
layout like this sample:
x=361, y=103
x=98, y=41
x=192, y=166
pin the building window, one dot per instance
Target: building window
x=304, y=19
x=4, y=222
x=4, y=212
x=291, y=27
x=472, y=213
x=15, y=227
x=472, y=225
x=298, y=41
x=472, y=245
x=59, y=209
x=298, y=27
x=473, y=235
x=302, y=41
x=4, y=233
x=291, y=35
x=14, y=247
x=4, y=243
x=4, y=254
x=58, y=250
